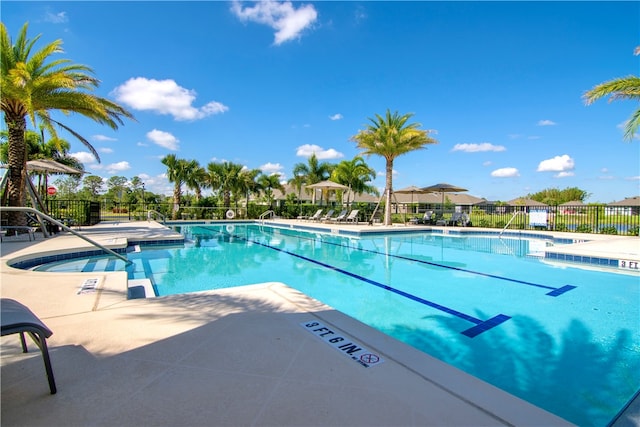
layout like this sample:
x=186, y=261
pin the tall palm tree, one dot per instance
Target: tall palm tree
x=177, y=172
x=33, y=85
x=225, y=178
x=620, y=88
x=314, y=171
x=267, y=184
x=196, y=178
x=297, y=182
x=246, y=185
x=391, y=136
x=355, y=174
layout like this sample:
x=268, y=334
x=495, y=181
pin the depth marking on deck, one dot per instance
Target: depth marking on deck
x=481, y=325
x=343, y=343
x=554, y=292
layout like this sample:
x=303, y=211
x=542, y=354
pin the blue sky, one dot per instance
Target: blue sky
x=266, y=84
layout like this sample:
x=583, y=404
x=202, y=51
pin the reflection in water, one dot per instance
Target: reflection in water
x=576, y=377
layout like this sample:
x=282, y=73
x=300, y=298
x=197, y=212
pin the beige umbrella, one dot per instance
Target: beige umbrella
x=443, y=187
x=412, y=189
x=327, y=186
x=51, y=166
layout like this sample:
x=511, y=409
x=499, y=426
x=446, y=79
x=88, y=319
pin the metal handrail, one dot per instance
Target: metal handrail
x=509, y=222
x=41, y=216
x=151, y=212
x=264, y=214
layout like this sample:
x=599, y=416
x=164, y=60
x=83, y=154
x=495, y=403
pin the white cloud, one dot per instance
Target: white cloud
x=271, y=168
x=105, y=150
x=281, y=16
x=487, y=163
x=563, y=174
x=546, y=123
x=633, y=178
x=164, y=139
x=476, y=148
x=164, y=97
x=557, y=164
x=309, y=149
x=114, y=168
x=505, y=173
x=84, y=157
x=56, y=17
x=103, y=138
x=336, y=117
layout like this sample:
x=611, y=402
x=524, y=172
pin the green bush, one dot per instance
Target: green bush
x=560, y=226
x=584, y=228
x=608, y=230
x=634, y=231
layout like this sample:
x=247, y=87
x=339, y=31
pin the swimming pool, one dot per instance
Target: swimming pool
x=563, y=338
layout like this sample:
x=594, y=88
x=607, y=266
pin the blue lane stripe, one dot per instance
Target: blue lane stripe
x=481, y=324
x=89, y=266
x=434, y=264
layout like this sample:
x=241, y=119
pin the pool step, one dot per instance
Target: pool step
x=140, y=288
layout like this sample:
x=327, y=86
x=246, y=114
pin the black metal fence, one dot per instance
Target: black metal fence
x=603, y=219
x=75, y=212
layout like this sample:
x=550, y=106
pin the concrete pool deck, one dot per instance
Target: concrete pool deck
x=236, y=356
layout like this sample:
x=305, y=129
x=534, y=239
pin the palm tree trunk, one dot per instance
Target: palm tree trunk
x=388, y=189
x=17, y=164
x=176, y=200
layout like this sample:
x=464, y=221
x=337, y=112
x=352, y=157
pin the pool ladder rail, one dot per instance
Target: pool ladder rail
x=515, y=214
x=270, y=213
x=42, y=217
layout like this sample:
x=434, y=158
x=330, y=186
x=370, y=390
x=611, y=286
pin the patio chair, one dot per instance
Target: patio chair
x=353, y=216
x=316, y=216
x=459, y=218
x=427, y=218
x=341, y=216
x=327, y=216
x=18, y=319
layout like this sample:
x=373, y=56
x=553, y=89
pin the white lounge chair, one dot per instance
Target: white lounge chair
x=316, y=216
x=353, y=216
x=341, y=216
x=327, y=216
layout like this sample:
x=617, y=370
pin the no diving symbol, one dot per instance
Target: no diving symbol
x=369, y=358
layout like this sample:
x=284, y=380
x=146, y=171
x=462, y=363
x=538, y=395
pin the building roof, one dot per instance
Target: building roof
x=629, y=201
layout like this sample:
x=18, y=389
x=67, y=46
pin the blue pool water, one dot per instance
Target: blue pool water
x=566, y=339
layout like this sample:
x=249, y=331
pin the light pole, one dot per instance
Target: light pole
x=143, y=197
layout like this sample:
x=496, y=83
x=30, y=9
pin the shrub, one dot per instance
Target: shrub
x=609, y=230
x=584, y=228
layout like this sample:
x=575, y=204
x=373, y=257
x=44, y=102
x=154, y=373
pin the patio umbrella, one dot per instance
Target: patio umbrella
x=51, y=166
x=412, y=189
x=327, y=185
x=443, y=187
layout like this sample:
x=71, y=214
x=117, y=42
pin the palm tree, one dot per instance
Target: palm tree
x=177, y=172
x=267, y=184
x=32, y=86
x=390, y=137
x=355, y=174
x=196, y=178
x=224, y=177
x=297, y=182
x=313, y=172
x=620, y=88
x=246, y=185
